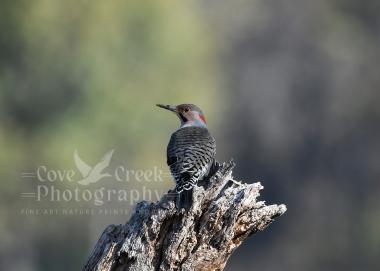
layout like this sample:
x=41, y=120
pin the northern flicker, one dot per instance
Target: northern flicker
x=190, y=152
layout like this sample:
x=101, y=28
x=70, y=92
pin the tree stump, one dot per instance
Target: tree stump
x=160, y=237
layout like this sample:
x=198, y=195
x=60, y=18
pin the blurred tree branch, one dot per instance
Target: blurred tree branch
x=159, y=237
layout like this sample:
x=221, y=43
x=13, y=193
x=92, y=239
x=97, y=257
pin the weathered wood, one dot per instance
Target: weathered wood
x=159, y=237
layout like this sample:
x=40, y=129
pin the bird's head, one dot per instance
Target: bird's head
x=189, y=114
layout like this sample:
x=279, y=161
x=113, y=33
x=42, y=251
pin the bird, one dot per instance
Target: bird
x=190, y=153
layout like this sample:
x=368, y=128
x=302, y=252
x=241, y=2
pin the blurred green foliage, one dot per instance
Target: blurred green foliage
x=290, y=90
x=86, y=75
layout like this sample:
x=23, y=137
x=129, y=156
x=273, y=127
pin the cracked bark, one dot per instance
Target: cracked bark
x=159, y=237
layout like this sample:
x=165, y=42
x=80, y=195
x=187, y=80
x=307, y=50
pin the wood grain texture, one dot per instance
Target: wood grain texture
x=159, y=237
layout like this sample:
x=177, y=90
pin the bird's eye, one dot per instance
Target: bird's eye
x=187, y=110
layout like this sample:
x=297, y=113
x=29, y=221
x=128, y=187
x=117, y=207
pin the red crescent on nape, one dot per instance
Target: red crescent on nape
x=203, y=118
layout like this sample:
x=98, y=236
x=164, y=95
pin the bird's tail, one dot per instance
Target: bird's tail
x=185, y=199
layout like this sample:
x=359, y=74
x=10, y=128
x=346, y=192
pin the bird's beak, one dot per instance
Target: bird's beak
x=168, y=107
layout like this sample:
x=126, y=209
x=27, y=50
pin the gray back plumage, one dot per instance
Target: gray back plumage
x=190, y=154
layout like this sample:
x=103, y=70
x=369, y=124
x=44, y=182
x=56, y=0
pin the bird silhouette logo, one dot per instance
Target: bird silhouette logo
x=93, y=174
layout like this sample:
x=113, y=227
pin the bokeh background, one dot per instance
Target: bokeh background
x=290, y=90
